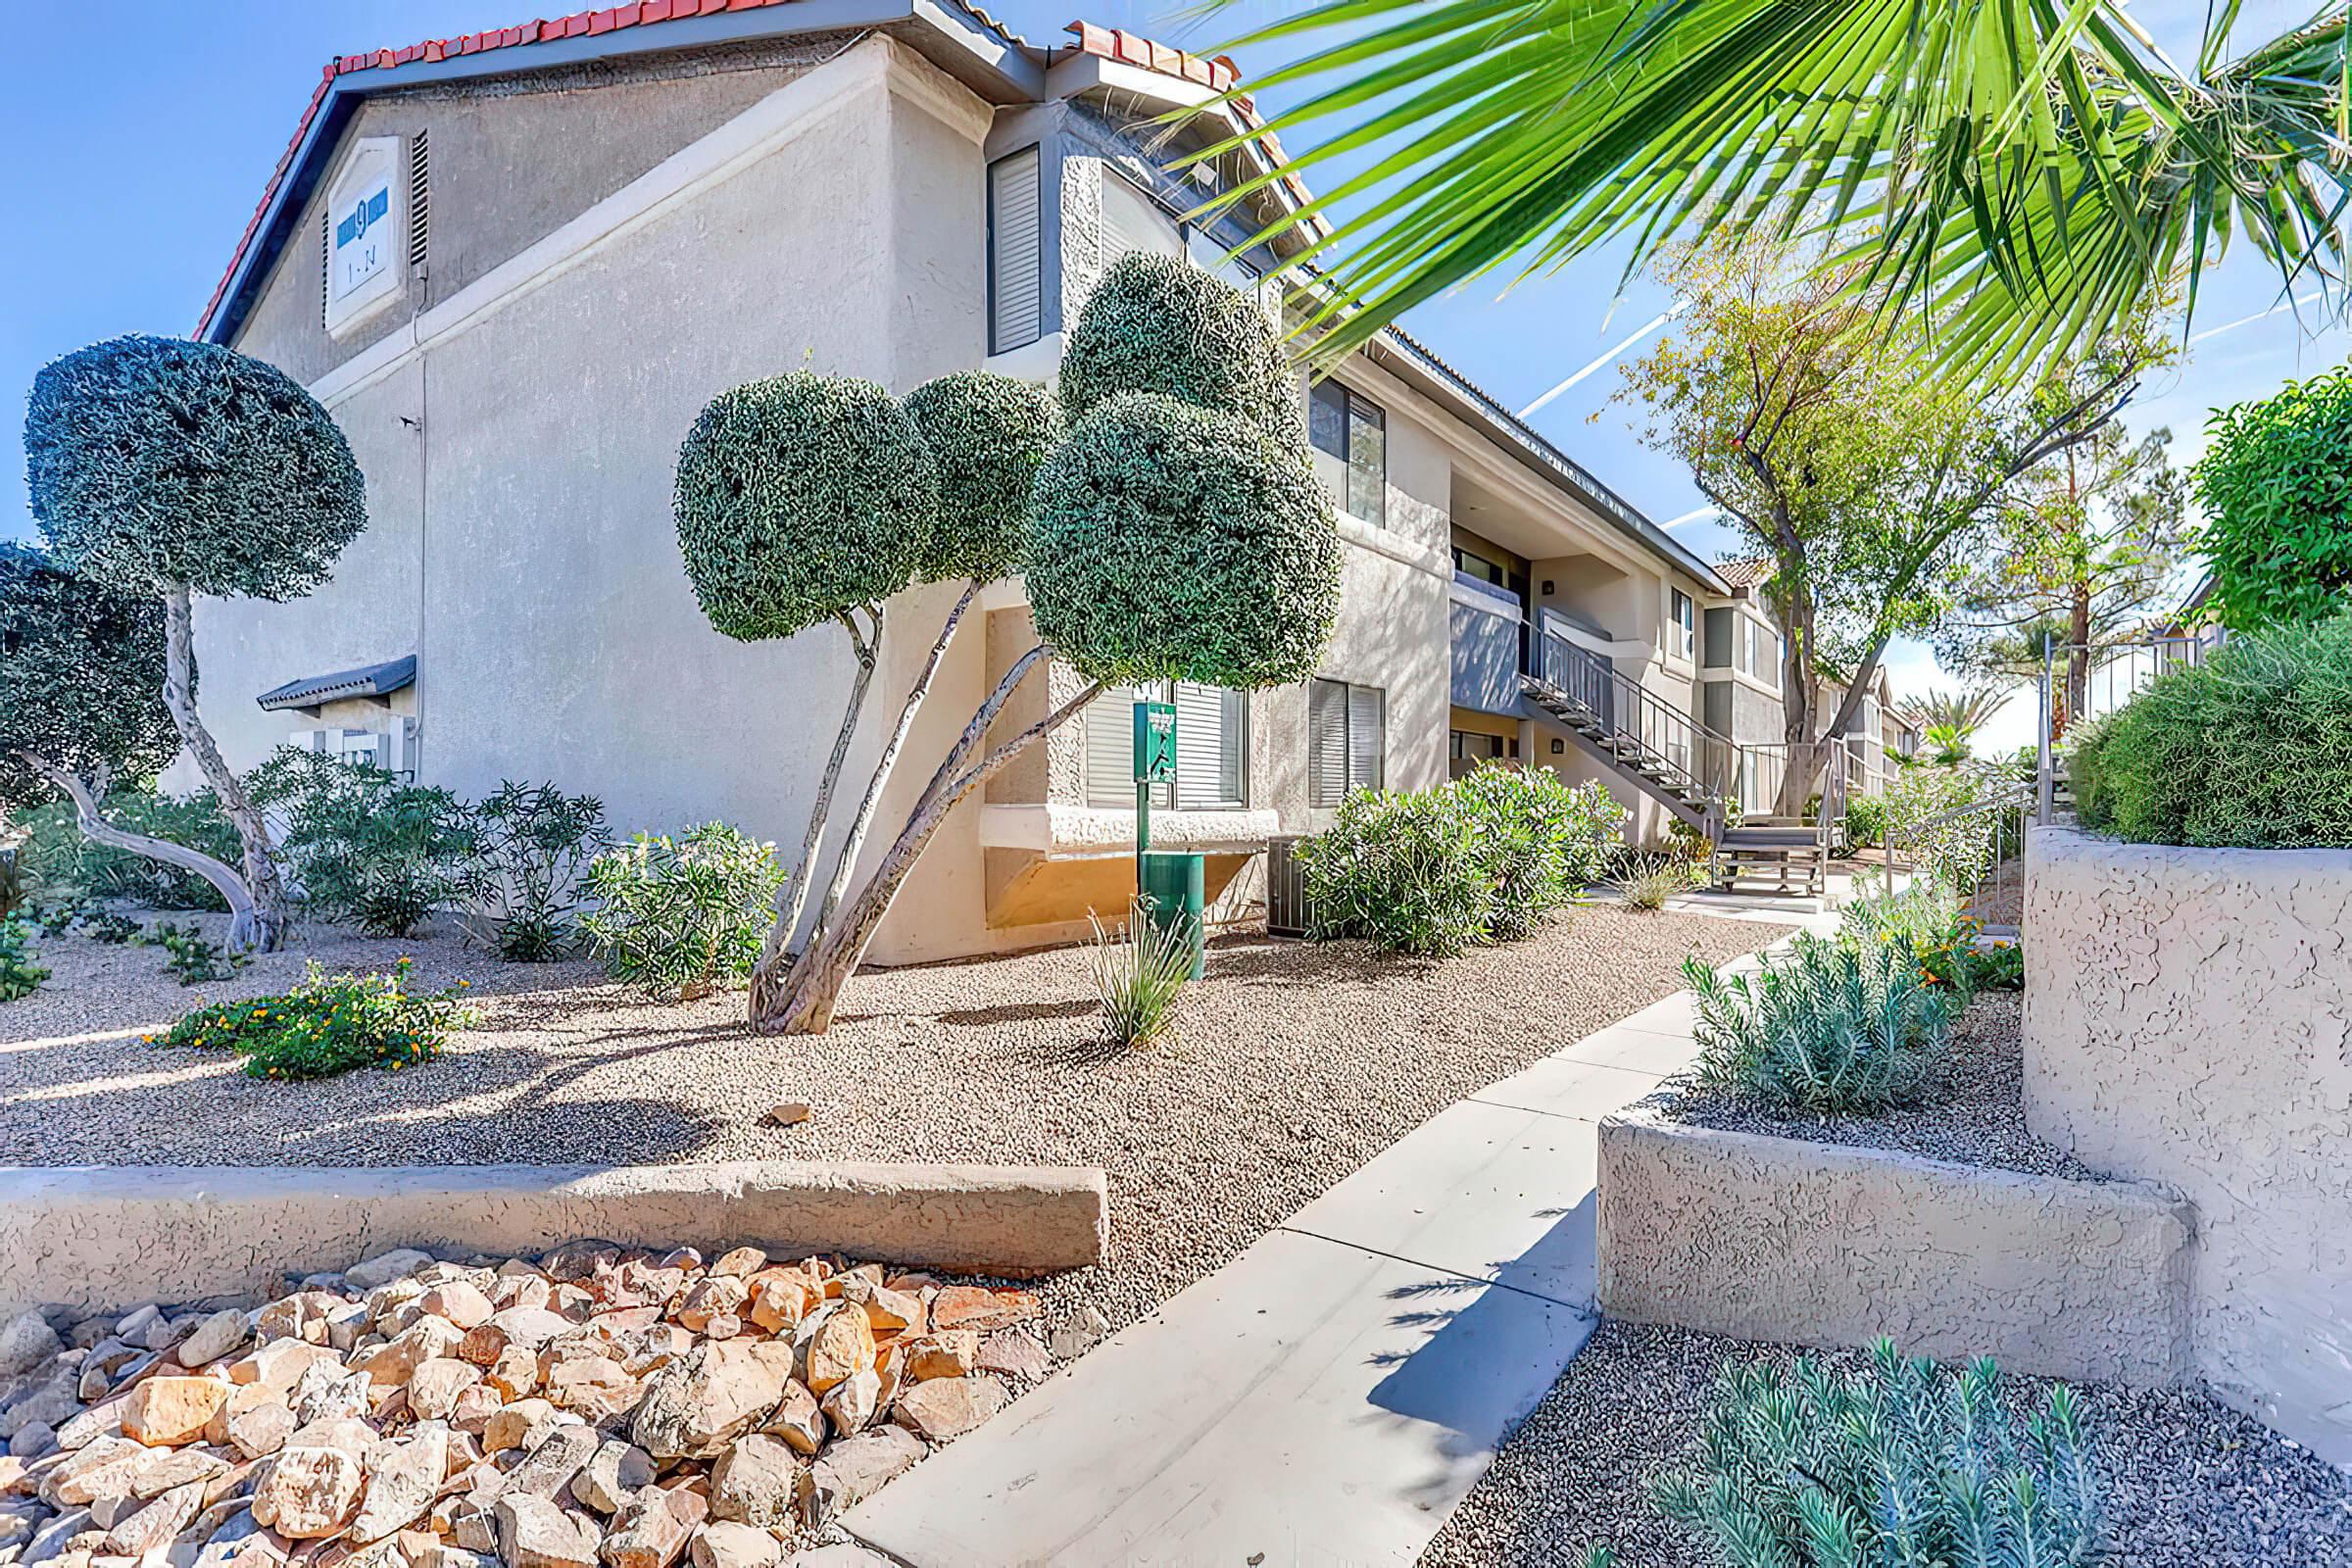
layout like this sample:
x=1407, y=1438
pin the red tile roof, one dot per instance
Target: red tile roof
x=1110, y=43
x=1744, y=571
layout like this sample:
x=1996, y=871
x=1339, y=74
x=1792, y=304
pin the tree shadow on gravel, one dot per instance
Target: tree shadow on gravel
x=1018, y=1012
x=1290, y=964
x=630, y=1131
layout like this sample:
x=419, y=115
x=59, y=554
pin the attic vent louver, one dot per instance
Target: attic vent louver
x=419, y=209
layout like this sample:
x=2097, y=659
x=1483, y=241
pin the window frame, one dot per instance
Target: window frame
x=1681, y=614
x=1034, y=152
x=1351, y=783
x=1357, y=415
x=1170, y=797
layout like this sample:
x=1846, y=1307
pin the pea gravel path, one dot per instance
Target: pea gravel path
x=2189, y=1481
x=1291, y=1065
x=1970, y=1109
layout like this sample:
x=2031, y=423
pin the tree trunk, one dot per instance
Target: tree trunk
x=2077, y=657
x=258, y=922
x=793, y=896
x=833, y=957
x=1797, y=709
x=86, y=794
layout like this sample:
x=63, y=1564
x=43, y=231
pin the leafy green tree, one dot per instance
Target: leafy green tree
x=82, y=674
x=169, y=468
x=2041, y=175
x=1228, y=523
x=2277, y=487
x=2084, y=551
x=1867, y=486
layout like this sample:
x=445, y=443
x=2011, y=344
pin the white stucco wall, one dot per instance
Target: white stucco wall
x=2188, y=1020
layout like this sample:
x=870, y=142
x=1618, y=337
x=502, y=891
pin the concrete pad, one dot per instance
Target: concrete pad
x=1486, y=1191
x=1569, y=1086
x=1644, y=1050
x=1310, y=1402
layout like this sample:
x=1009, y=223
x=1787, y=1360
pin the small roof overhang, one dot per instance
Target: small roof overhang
x=368, y=680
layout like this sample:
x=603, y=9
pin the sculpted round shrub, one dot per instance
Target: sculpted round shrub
x=800, y=497
x=1173, y=542
x=156, y=462
x=987, y=434
x=1158, y=324
x=82, y=674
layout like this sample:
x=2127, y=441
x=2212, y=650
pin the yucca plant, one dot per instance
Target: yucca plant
x=1140, y=973
x=1828, y=1030
x=1898, y=1465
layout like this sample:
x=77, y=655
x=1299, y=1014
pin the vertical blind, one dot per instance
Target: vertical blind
x=1213, y=747
x=1015, y=253
x=1347, y=740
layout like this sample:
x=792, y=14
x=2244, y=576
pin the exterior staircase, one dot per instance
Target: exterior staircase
x=1689, y=769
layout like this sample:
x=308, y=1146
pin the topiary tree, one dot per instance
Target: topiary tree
x=81, y=676
x=1158, y=324
x=167, y=468
x=810, y=498
x=2277, y=487
x=1170, y=536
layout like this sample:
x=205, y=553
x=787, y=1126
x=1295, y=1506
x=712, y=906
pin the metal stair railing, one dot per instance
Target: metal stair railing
x=1646, y=734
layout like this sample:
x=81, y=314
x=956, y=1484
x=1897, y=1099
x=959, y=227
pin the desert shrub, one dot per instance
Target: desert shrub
x=2252, y=748
x=1139, y=974
x=193, y=958
x=1899, y=1464
x=2276, y=486
x=62, y=862
x=330, y=1024
x=1646, y=878
x=1170, y=542
x=988, y=433
x=1402, y=869
x=1542, y=840
x=113, y=929
x=1160, y=324
x=799, y=495
x=20, y=976
x=1957, y=852
x=682, y=916
x=528, y=848
x=1998, y=966
x=16, y=885
x=1829, y=1029
x=1866, y=822
x=365, y=847
x=1925, y=916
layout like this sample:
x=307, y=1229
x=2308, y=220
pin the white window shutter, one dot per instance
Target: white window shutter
x=1110, y=749
x=1132, y=222
x=1209, y=747
x=1326, y=743
x=1015, y=251
x=1367, y=737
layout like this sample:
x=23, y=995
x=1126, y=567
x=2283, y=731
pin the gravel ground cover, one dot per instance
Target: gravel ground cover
x=1291, y=1065
x=2189, y=1480
x=1969, y=1111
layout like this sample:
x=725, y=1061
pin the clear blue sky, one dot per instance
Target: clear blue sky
x=143, y=129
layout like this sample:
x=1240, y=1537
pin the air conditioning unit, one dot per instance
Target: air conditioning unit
x=393, y=749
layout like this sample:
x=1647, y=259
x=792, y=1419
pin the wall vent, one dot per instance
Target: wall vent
x=419, y=207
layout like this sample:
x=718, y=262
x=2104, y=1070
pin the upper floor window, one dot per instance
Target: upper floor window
x=1015, y=251
x=1213, y=747
x=1134, y=221
x=1354, y=429
x=1682, y=634
x=1346, y=741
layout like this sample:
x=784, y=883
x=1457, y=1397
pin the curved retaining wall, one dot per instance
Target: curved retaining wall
x=2188, y=1020
x=94, y=1238
x=1779, y=1239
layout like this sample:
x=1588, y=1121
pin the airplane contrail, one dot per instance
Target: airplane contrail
x=1618, y=348
x=2248, y=320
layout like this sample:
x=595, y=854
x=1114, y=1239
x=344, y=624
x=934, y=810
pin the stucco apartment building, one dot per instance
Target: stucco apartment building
x=514, y=266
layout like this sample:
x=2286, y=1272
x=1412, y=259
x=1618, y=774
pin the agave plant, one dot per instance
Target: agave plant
x=1830, y=1029
x=2036, y=174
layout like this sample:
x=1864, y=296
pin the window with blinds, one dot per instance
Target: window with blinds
x=1346, y=741
x=1134, y=221
x=1015, y=251
x=1212, y=748
x=1354, y=429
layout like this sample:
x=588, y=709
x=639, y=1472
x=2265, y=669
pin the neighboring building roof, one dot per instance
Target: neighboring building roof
x=1744, y=571
x=368, y=680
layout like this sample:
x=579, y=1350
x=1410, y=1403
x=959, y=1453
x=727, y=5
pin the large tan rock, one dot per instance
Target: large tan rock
x=723, y=1544
x=855, y=1469
x=516, y=1424
x=942, y=1409
x=596, y=1385
x=653, y=1528
x=841, y=1347
x=969, y=1306
x=797, y=1419
x=154, y=1525
x=222, y=1334
x=396, y=1361
x=849, y=1404
x=170, y=1411
x=310, y=1492
x=754, y=1482
x=548, y=1469
x=402, y=1479
x=1014, y=1352
x=953, y=1354
x=433, y=1391
x=103, y=1467
x=280, y=1363
x=534, y=1533
x=513, y=1374
x=695, y=1406
x=719, y=1294
x=459, y=1301
x=166, y=1469
x=616, y=1472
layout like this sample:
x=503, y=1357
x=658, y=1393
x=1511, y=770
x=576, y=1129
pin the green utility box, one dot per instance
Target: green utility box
x=1172, y=886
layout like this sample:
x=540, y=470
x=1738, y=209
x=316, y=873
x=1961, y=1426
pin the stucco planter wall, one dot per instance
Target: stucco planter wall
x=1780, y=1239
x=94, y=1238
x=2188, y=1020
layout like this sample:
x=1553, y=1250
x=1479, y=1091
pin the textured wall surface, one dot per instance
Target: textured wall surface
x=1777, y=1239
x=112, y=1237
x=2188, y=1020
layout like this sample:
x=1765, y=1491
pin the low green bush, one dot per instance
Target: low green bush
x=1958, y=851
x=20, y=976
x=529, y=849
x=1866, y=822
x=62, y=863
x=193, y=957
x=1645, y=880
x=1998, y=966
x=2250, y=749
x=1482, y=858
x=1902, y=1463
x=1138, y=973
x=1830, y=1029
x=330, y=1024
x=363, y=846
x=1925, y=918
x=681, y=918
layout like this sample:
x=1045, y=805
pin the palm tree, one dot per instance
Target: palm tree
x=2024, y=173
x=1948, y=721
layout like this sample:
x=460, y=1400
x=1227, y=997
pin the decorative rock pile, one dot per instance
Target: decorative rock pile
x=599, y=1406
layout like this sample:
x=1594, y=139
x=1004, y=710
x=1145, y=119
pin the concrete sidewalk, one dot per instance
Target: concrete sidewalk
x=1329, y=1395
